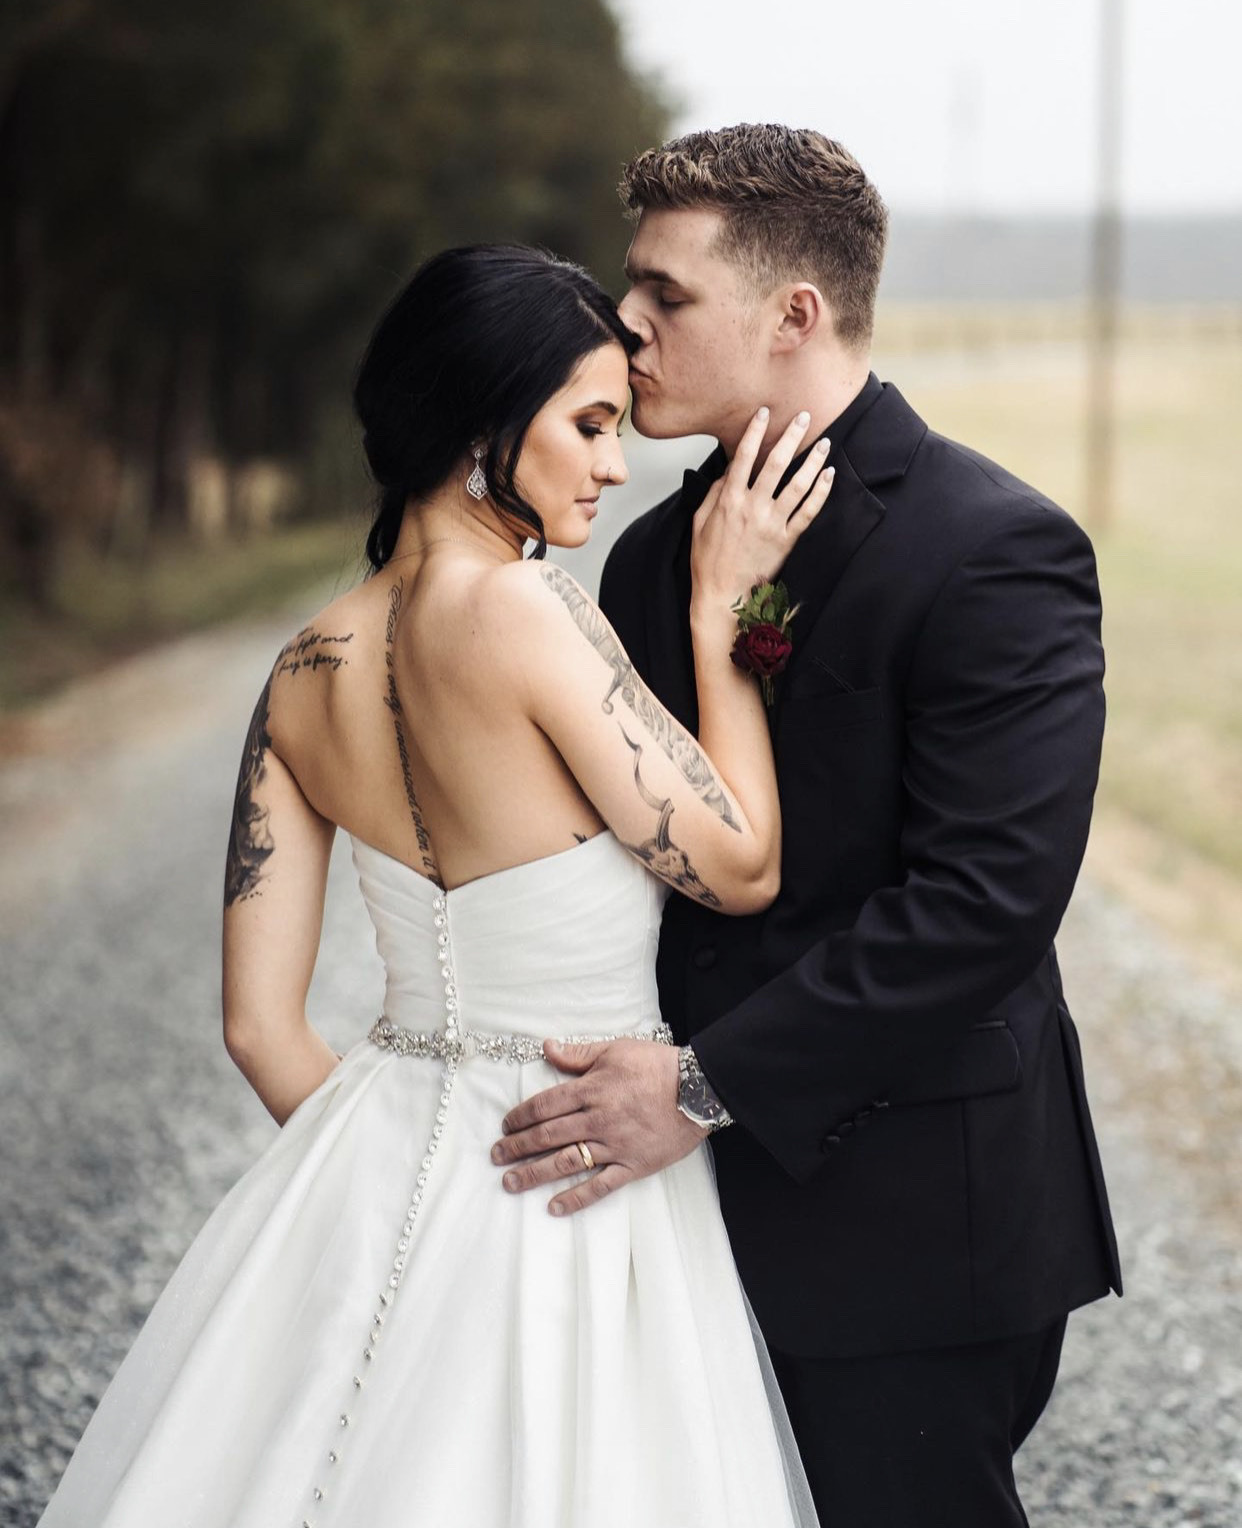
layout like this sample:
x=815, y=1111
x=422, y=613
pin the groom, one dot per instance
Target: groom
x=907, y=1168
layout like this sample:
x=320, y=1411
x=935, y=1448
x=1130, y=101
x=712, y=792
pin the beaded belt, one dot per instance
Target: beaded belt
x=461, y=1044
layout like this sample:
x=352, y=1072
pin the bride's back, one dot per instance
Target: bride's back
x=399, y=710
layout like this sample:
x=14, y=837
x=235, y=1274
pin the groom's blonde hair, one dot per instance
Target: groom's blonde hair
x=796, y=207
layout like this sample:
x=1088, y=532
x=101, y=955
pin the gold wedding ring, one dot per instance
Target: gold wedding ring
x=587, y=1159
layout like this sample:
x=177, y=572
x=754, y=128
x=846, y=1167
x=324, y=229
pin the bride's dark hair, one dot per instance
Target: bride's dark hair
x=470, y=351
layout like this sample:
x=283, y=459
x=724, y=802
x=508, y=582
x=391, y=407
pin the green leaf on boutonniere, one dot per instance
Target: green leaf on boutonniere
x=763, y=645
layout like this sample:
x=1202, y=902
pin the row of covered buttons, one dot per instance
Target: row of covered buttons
x=848, y=1126
x=388, y=1294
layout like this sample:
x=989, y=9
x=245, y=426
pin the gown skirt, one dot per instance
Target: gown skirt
x=370, y=1332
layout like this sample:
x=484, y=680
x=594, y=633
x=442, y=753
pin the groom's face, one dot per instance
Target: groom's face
x=702, y=368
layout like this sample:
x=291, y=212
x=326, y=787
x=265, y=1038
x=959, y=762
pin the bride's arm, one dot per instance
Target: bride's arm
x=275, y=879
x=703, y=818
x=742, y=535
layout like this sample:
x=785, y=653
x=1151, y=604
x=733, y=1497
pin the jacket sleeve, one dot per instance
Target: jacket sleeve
x=1003, y=723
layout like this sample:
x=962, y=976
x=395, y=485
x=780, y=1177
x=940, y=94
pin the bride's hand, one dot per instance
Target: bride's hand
x=742, y=533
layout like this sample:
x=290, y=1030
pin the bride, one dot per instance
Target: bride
x=369, y=1331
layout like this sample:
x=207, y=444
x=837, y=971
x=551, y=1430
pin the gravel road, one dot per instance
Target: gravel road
x=123, y=1122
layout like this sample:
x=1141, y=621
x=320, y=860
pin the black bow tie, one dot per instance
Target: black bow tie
x=697, y=480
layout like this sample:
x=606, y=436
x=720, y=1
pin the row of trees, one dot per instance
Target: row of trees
x=204, y=206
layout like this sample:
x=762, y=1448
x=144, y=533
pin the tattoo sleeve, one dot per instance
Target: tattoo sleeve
x=670, y=737
x=250, y=840
x=659, y=853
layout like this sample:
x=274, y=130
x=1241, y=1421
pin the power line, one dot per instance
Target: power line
x=1104, y=297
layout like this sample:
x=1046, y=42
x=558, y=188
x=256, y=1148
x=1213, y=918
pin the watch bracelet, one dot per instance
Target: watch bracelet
x=684, y=1068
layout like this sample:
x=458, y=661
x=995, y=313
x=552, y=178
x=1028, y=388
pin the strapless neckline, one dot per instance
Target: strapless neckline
x=434, y=891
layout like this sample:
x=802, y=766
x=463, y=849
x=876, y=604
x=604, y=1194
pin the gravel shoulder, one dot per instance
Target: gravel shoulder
x=123, y=1122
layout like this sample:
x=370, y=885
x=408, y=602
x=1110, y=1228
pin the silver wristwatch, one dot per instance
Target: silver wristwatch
x=696, y=1098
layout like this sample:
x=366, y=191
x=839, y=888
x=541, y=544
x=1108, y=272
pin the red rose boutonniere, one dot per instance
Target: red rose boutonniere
x=763, y=645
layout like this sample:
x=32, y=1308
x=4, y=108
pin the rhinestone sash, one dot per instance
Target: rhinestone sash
x=462, y=1044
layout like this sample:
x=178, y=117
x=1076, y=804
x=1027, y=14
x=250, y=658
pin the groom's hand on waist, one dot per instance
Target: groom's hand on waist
x=622, y=1102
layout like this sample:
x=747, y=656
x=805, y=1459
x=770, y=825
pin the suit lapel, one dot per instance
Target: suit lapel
x=872, y=443
x=814, y=567
x=669, y=648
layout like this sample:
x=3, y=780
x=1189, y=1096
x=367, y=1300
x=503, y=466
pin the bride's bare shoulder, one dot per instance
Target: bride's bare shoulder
x=320, y=666
x=541, y=593
x=543, y=628
x=490, y=631
x=326, y=642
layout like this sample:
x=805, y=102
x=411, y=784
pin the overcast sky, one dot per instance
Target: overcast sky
x=959, y=105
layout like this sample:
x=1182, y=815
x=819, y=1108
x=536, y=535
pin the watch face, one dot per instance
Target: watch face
x=695, y=1101
x=694, y=1096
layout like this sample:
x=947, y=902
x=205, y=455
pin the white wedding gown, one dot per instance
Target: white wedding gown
x=369, y=1332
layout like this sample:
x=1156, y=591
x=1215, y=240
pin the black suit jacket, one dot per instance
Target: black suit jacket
x=913, y=1162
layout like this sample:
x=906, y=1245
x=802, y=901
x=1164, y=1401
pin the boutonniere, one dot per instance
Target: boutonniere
x=763, y=645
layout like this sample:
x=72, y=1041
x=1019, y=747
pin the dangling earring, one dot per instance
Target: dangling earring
x=476, y=483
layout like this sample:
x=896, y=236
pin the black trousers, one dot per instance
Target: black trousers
x=920, y=1440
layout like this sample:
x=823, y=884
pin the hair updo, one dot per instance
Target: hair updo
x=470, y=352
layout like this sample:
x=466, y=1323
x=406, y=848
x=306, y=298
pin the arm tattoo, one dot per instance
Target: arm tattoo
x=309, y=650
x=660, y=854
x=250, y=841
x=250, y=838
x=673, y=740
x=393, y=702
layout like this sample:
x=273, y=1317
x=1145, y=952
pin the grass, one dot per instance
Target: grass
x=103, y=610
x=1170, y=561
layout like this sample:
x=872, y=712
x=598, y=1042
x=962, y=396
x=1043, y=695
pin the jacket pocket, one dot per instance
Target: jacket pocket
x=802, y=710
x=985, y=1060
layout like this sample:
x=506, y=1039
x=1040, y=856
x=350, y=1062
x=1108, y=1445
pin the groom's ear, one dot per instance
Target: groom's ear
x=801, y=310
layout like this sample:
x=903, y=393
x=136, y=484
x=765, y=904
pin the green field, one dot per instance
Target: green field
x=1170, y=561
x=103, y=609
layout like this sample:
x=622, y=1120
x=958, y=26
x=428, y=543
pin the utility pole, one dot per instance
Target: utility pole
x=1104, y=300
